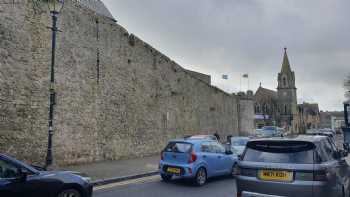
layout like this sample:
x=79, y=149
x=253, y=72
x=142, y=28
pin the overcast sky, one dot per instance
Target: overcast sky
x=235, y=37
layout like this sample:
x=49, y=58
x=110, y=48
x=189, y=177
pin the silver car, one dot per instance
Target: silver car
x=302, y=166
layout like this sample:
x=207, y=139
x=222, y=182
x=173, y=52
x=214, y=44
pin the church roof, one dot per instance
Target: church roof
x=264, y=92
x=285, y=64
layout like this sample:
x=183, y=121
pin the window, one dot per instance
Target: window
x=284, y=82
x=281, y=153
x=205, y=147
x=178, y=147
x=285, y=109
x=218, y=148
x=303, y=157
x=8, y=171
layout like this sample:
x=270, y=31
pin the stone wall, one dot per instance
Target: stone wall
x=117, y=96
x=246, y=116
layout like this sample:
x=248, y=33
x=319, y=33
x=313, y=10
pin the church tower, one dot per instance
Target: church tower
x=287, y=95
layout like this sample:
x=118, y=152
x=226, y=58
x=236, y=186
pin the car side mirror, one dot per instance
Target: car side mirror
x=337, y=155
x=346, y=147
x=344, y=153
x=228, y=152
x=22, y=175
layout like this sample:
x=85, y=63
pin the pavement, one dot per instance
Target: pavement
x=114, y=171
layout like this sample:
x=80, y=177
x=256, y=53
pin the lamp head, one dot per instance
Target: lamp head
x=55, y=6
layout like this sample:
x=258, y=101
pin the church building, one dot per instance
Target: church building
x=278, y=108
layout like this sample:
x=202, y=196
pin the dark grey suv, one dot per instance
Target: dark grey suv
x=302, y=166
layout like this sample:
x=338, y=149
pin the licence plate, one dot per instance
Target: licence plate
x=273, y=175
x=173, y=170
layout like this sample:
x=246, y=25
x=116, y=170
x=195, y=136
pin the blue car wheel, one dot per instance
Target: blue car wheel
x=201, y=177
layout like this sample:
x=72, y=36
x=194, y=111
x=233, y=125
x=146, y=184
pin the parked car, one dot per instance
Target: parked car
x=196, y=159
x=270, y=131
x=302, y=166
x=18, y=179
x=237, y=144
x=329, y=134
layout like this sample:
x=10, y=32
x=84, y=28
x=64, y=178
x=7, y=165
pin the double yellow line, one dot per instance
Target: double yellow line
x=128, y=182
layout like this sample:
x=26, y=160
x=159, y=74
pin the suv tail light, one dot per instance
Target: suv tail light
x=312, y=176
x=193, y=157
x=321, y=176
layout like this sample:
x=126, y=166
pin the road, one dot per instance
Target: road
x=154, y=187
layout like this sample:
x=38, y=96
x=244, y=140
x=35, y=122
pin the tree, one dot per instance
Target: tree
x=347, y=86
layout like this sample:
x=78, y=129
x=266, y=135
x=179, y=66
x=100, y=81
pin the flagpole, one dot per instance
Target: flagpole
x=248, y=81
x=240, y=82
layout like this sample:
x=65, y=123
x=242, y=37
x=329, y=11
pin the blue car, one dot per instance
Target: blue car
x=196, y=159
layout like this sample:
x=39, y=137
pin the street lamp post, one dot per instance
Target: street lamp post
x=55, y=7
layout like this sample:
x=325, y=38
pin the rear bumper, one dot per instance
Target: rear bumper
x=188, y=171
x=259, y=188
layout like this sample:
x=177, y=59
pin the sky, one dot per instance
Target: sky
x=235, y=37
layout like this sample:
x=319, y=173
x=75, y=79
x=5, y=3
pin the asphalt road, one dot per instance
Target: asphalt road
x=154, y=187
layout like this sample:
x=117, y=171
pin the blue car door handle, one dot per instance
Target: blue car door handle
x=204, y=156
x=219, y=157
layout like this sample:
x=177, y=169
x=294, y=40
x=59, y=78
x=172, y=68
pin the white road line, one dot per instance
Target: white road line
x=140, y=180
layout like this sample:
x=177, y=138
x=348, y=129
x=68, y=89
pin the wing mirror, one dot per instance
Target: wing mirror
x=22, y=175
x=228, y=152
x=340, y=154
x=346, y=147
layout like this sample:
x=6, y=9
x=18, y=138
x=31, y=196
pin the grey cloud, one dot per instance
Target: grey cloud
x=247, y=36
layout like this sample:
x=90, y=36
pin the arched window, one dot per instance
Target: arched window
x=285, y=109
x=284, y=82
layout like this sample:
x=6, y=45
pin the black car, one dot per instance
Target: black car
x=18, y=179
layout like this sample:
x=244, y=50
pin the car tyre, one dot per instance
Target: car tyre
x=201, y=177
x=69, y=193
x=166, y=177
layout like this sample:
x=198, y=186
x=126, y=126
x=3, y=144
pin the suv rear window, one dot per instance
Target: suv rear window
x=178, y=147
x=280, y=152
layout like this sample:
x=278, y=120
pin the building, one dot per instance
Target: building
x=332, y=119
x=309, y=116
x=280, y=108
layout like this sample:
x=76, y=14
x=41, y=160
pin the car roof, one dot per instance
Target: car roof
x=192, y=141
x=305, y=138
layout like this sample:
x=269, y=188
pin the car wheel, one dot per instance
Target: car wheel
x=201, y=177
x=166, y=177
x=69, y=193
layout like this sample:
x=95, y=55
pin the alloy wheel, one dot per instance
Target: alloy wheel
x=201, y=177
x=69, y=193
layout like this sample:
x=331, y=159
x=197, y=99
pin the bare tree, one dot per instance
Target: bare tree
x=347, y=86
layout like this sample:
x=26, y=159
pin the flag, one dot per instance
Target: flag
x=245, y=76
x=225, y=76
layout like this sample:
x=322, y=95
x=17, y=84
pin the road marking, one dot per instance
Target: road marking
x=140, y=180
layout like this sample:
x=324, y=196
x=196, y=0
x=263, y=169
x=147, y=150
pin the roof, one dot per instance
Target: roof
x=310, y=108
x=285, y=64
x=305, y=138
x=263, y=92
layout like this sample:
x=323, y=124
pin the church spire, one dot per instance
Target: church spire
x=285, y=65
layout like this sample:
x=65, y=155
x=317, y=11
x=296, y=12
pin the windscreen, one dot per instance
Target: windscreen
x=280, y=152
x=178, y=147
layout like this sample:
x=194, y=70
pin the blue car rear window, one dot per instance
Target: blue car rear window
x=178, y=147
